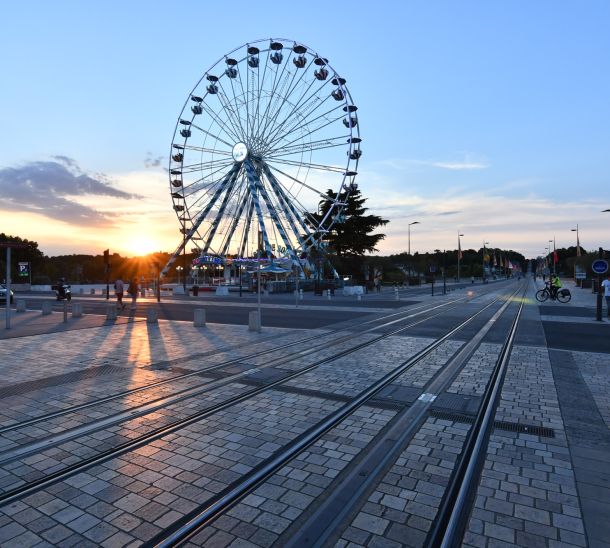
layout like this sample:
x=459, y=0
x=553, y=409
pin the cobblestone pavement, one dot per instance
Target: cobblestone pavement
x=538, y=487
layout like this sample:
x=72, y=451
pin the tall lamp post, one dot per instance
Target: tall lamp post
x=552, y=242
x=179, y=269
x=484, y=255
x=577, y=241
x=459, y=254
x=409, y=234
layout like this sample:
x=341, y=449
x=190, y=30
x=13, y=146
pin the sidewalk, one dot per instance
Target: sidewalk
x=581, y=308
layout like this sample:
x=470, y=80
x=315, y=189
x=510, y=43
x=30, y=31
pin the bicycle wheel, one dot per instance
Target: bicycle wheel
x=542, y=295
x=564, y=295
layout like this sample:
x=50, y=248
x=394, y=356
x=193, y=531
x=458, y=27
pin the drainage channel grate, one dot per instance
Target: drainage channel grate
x=542, y=431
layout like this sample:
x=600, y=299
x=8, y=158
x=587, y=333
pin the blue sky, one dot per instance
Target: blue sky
x=488, y=117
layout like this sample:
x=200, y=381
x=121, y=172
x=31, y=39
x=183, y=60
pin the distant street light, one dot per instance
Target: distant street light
x=484, y=254
x=409, y=234
x=179, y=270
x=459, y=254
x=577, y=241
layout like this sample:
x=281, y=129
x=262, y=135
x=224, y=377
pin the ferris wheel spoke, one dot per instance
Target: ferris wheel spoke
x=237, y=109
x=301, y=148
x=302, y=124
x=301, y=106
x=224, y=127
x=254, y=184
x=320, y=167
x=232, y=119
x=276, y=219
x=192, y=168
x=259, y=93
x=305, y=117
x=206, y=180
x=279, y=103
x=272, y=93
x=310, y=132
x=212, y=135
x=231, y=113
x=220, y=212
x=294, y=85
x=302, y=183
x=291, y=213
x=244, y=241
x=210, y=150
x=242, y=201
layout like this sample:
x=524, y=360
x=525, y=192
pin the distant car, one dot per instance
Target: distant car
x=3, y=294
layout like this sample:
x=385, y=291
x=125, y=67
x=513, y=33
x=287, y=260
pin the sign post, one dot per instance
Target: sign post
x=8, y=246
x=599, y=266
x=107, y=272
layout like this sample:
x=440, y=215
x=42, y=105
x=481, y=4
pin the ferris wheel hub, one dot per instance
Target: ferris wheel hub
x=240, y=152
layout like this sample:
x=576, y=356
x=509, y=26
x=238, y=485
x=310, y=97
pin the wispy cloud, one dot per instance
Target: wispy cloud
x=52, y=189
x=152, y=161
x=459, y=165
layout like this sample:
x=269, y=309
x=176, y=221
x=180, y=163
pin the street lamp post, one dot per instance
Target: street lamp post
x=552, y=242
x=179, y=270
x=459, y=255
x=484, y=255
x=409, y=234
x=577, y=241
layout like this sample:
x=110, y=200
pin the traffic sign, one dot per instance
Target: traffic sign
x=23, y=269
x=599, y=266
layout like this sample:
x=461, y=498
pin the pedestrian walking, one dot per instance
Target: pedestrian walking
x=133, y=291
x=606, y=286
x=119, y=287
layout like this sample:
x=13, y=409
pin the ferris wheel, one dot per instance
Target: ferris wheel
x=262, y=137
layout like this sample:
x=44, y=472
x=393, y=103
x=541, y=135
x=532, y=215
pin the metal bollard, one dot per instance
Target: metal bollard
x=253, y=321
x=199, y=319
x=80, y=290
x=20, y=305
x=396, y=296
x=47, y=308
x=300, y=294
x=359, y=297
x=77, y=310
x=328, y=294
x=111, y=312
x=92, y=292
x=152, y=315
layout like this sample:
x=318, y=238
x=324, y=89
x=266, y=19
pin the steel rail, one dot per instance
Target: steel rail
x=149, y=437
x=190, y=524
x=156, y=384
x=452, y=518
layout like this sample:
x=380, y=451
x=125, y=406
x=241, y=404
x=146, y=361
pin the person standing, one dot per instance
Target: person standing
x=606, y=286
x=133, y=291
x=119, y=287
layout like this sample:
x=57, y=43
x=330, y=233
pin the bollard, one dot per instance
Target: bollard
x=92, y=292
x=359, y=297
x=300, y=294
x=396, y=296
x=152, y=316
x=328, y=294
x=111, y=312
x=199, y=319
x=65, y=311
x=20, y=305
x=47, y=308
x=80, y=290
x=253, y=323
x=77, y=310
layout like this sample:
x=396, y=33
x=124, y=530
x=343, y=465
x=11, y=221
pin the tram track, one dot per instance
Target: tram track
x=190, y=525
x=49, y=479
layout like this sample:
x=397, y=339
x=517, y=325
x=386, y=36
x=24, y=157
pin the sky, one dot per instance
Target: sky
x=487, y=118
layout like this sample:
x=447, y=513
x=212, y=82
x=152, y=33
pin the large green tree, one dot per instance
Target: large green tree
x=351, y=234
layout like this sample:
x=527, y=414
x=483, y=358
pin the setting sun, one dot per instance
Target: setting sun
x=140, y=245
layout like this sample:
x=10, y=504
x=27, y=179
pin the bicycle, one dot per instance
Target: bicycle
x=563, y=294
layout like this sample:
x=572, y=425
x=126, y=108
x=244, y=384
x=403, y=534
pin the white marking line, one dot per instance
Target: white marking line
x=427, y=397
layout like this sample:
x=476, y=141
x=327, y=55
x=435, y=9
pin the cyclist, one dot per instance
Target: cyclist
x=555, y=286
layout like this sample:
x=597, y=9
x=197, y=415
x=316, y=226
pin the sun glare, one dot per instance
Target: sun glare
x=140, y=245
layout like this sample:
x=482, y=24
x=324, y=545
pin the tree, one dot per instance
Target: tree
x=350, y=236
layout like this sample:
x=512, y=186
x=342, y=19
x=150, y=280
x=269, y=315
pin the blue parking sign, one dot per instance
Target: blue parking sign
x=599, y=266
x=23, y=269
